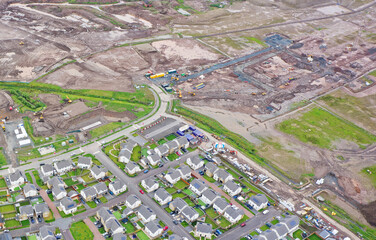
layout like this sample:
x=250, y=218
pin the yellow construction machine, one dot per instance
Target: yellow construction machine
x=192, y=93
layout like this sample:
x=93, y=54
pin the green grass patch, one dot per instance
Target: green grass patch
x=103, y=199
x=211, y=213
x=264, y=228
x=184, y=224
x=25, y=223
x=153, y=145
x=9, y=215
x=178, y=195
x=105, y=129
x=189, y=202
x=224, y=223
x=136, y=154
x=12, y=223
x=7, y=208
x=210, y=221
x=91, y=204
x=370, y=173
x=209, y=179
x=70, y=182
x=142, y=236
x=180, y=184
x=319, y=127
x=172, y=156
x=274, y=222
x=256, y=40
x=28, y=177
x=80, y=231
x=3, y=184
x=298, y=234
x=314, y=237
x=170, y=190
x=171, y=137
x=162, y=141
x=39, y=181
x=129, y=227
x=3, y=159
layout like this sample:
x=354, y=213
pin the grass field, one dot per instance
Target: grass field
x=12, y=223
x=2, y=183
x=210, y=211
x=358, y=110
x=105, y=129
x=319, y=127
x=7, y=208
x=80, y=231
x=298, y=234
x=136, y=154
x=370, y=172
x=180, y=184
x=3, y=160
x=142, y=236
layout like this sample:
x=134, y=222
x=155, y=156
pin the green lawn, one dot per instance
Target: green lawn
x=208, y=220
x=162, y=141
x=210, y=211
x=28, y=177
x=209, y=179
x=70, y=182
x=170, y=190
x=142, y=236
x=180, y=184
x=129, y=228
x=172, y=156
x=103, y=199
x=38, y=180
x=91, y=204
x=189, y=202
x=188, y=192
x=184, y=224
x=319, y=127
x=152, y=146
x=2, y=183
x=171, y=137
x=25, y=223
x=178, y=195
x=3, y=160
x=224, y=223
x=80, y=231
x=87, y=178
x=136, y=154
x=3, y=193
x=314, y=237
x=274, y=222
x=370, y=172
x=105, y=129
x=12, y=223
x=7, y=208
x=80, y=187
x=298, y=234
x=9, y=215
x=264, y=228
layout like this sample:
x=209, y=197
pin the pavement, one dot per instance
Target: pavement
x=50, y=204
x=255, y=222
x=93, y=229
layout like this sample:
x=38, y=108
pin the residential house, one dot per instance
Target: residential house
x=47, y=170
x=84, y=162
x=30, y=190
x=132, y=168
x=195, y=162
x=162, y=150
x=125, y=155
x=182, y=142
x=172, y=146
x=16, y=179
x=47, y=233
x=209, y=196
x=190, y=214
x=153, y=229
x=185, y=172
x=258, y=201
x=111, y=225
x=198, y=186
x=89, y=193
x=269, y=234
x=41, y=209
x=204, y=230
x=178, y=205
x=26, y=212
x=67, y=205
x=63, y=166
x=100, y=188
x=59, y=192
x=233, y=214
x=154, y=159
x=210, y=168
x=217, y=160
x=119, y=236
x=133, y=201
x=117, y=187
x=146, y=214
x=280, y=229
x=220, y=205
x=56, y=182
x=98, y=172
x=127, y=212
x=222, y=176
x=232, y=188
x=73, y=194
x=291, y=222
x=149, y=184
x=173, y=176
x=162, y=196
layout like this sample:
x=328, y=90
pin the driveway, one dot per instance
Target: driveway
x=50, y=204
x=218, y=190
x=93, y=229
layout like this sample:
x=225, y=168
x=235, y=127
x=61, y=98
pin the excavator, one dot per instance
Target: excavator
x=2, y=120
x=192, y=93
x=174, y=78
x=67, y=100
x=40, y=114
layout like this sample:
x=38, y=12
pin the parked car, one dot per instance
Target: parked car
x=258, y=230
x=242, y=225
x=165, y=228
x=161, y=165
x=146, y=171
x=268, y=224
x=218, y=231
x=49, y=191
x=142, y=191
x=175, y=222
x=201, y=173
x=39, y=218
x=32, y=219
x=184, y=150
x=265, y=212
x=178, y=153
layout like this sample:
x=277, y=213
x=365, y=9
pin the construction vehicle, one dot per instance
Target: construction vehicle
x=174, y=78
x=254, y=93
x=192, y=93
x=180, y=96
x=41, y=118
x=67, y=100
x=2, y=125
x=263, y=94
x=22, y=43
x=333, y=213
x=325, y=209
x=157, y=75
x=147, y=3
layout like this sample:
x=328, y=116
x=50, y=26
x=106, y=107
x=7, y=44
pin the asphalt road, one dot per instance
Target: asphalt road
x=254, y=222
